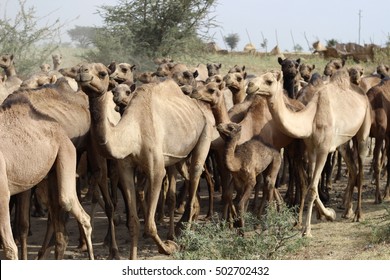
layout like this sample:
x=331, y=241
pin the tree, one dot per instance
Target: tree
x=331, y=43
x=152, y=28
x=297, y=48
x=83, y=35
x=232, y=40
x=29, y=42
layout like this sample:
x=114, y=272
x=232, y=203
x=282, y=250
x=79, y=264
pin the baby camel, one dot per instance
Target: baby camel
x=245, y=162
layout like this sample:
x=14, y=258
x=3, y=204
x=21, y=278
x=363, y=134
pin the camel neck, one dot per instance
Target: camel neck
x=232, y=162
x=220, y=112
x=294, y=124
x=238, y=94
x=10, y=71
x=290, y=86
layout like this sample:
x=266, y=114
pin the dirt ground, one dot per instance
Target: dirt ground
x=338, y=240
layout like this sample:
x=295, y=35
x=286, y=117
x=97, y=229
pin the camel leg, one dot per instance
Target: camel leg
x=156, y=174
x=312, y=194
x=248, y=188
x=377, y=168
x=9, y=247
x=23, y=220
x=65, y=167
x=362, y=152
x=126, y=177
x=171, y=199
x=198, y=159
x=98, y=166
x=347, y=154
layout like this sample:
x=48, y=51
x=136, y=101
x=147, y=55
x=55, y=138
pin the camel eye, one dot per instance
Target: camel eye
x=102, y=74
x=128, y=92
x=124, y=70
x=239, y=79
x=211, y=90
x=268, y=82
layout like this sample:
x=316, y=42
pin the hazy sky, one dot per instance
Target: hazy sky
x=284, y=22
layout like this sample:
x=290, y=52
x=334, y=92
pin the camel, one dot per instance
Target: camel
x=306, y=71
x=235, y=82
x=325, y=124
x=122, y=72
x=383, y=70
x=246, y=162
x=379, y=97
x=122, y=96
x=57, y=60
x=255, y=119
x=291, y=76
x=148, y=142
x=45, y=68
x=213, y=68
x=333, y=65
x=147, y=77
x=37, y=80
x=48, y=151
x=7, y=63
x=3, y=91
x=169, y=68
x=356, y=74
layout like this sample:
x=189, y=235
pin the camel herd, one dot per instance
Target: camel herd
x=138, y=131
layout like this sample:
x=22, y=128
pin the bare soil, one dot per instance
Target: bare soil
x=338, y=240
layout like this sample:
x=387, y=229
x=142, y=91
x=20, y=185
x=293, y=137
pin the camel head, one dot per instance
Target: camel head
x=355, y=74
x=332, y=66
x=229, y=131
x=183, y=78
x=215, y=78
x=235, y=81
x=122, y=72
x=267, y=84
x=45, y=67
x=305, y=70
x=213, y=68
x=146, y=77
x=94, y=79
x=237, y=69
x=210, y=93
x=57, y=59
x=70, y=72
x=383, y=70
x=6, y=60
x=164, y=69
x=122, y=93
x=289, y=66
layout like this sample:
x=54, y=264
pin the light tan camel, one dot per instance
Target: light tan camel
x=306, y=71
x=3, y=91
x=57, y=60
x=325, y=124
x=148, y=142
x=33, y=144
x=45, y=68
x=37, y=80
x=122, y=72
x=7, y=63
x=70, y=110
x=235, y=82
x=246, y=162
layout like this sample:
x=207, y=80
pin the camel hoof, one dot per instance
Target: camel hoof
x=169, y=248
x=332, y=215
x=348, y=214
x=306, y=233
x=358, y=218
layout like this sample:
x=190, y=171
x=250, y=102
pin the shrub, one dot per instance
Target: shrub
x=270, y=237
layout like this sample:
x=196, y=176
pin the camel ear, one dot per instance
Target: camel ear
x=313, y=67
x=279, y=75
x=133, y=87
x=243, y=68
x=133, y=67
x=222, y=85
x=195, y=74
x=244, y=75
x=298, y=61
x=53, y=79
x=219, y=65
x=343, y=62
x=280, y=60
x=112, y=67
